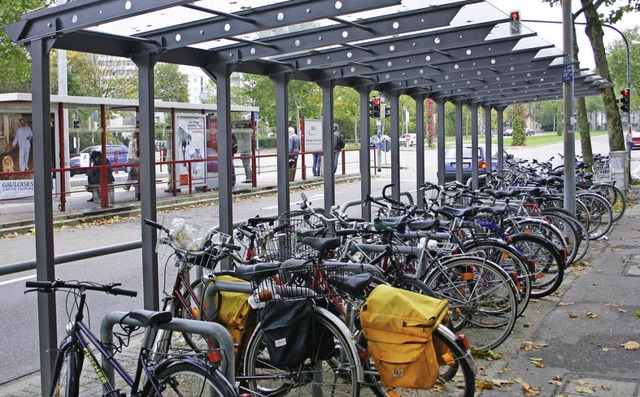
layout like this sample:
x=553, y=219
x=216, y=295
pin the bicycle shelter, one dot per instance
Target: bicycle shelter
x=466, y=52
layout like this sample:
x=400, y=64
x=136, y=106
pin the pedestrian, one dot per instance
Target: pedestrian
x=294, y=148
x=338, y=145
x=23, y=140
x=317, y=164
x=94, y=174
x=169, y=159
x=133, y=157
x=244, y=146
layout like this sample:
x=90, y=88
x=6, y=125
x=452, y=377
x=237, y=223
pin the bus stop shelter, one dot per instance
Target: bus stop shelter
x=465, y=52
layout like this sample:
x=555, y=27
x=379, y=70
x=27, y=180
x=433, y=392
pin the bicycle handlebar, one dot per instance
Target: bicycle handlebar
x=51, y=286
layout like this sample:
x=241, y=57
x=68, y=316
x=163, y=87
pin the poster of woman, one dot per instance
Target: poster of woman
x=190, y=149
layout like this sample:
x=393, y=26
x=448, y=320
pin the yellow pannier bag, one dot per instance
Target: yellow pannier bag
x=398, y=326
x=232, y=309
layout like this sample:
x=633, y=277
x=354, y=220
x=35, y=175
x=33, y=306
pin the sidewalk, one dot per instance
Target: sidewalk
x=583, y=340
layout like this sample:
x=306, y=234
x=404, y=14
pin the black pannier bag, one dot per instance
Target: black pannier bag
x=289, y=331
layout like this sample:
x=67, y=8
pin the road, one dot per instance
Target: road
x=19, y=345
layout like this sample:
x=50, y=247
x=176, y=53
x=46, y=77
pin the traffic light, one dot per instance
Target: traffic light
x=624, y=100
x=515, y=22
x=374, y=108
x=76, y=124
x=387, y=111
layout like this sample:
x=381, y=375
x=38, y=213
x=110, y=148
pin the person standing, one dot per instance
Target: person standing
x=133, y=156
x=294, y=149
x=317, y=164
x=23, y=140
x=338, y=145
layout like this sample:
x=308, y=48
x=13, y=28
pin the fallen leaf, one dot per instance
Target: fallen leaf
x=631, y=345
x=501, y=382
x=637, y=313
x=483, y=385
x=571, y=315
x=607, y=349
x=620, y=310
x=529, y=390
x=565, y=303
x=591, y=315
x=538, y=364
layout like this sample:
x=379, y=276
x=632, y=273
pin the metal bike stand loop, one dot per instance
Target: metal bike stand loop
x=211, y=330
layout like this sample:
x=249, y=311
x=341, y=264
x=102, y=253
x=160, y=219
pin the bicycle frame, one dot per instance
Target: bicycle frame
x=82, y=338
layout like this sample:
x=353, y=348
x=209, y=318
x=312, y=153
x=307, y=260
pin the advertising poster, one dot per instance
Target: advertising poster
x=16, y=155
x=189, y=142
x=312, y=135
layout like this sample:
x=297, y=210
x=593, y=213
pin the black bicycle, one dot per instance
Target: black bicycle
x=170, y=375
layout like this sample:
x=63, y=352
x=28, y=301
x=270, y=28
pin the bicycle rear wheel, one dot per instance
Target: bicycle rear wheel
x=482, y=298
x=600, y=214
x=331, y=374
x=188, y=379
x=457, y=372
x=545, y=263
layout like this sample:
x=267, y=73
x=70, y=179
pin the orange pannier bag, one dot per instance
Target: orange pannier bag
x=398, y=326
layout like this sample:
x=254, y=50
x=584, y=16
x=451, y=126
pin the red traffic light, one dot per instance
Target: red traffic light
x=625, y=93
x=376, y=101
x=515, y=15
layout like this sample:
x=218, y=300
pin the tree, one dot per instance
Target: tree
x=594, y=31
x=170, y=84
x=517, y=123
x=101, y=77
x=15, y=67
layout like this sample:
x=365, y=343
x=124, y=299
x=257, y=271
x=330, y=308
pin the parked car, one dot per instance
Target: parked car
x=404, y=138
x=116, y=154
x=508, y=132
x=450, y=162
x=529, y=132
x=635, y=139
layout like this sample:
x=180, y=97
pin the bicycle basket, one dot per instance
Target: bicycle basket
x=197, y=245
x=601, y=173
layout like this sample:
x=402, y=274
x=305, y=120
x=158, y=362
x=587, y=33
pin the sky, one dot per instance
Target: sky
x=537, y=10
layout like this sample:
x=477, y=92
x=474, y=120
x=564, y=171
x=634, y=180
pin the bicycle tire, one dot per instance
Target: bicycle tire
x=457, y=377
x=546, y=230
x=482, y=298
x=582, y=233
x=569, y=233
x=188, y=379
x=600, y=213
x=303, y=380
x=615, y=196
x=66, y=374
x=511, y=261
x=546, y=263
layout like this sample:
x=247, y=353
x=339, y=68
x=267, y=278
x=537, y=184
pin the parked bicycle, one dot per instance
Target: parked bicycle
x=169, y=375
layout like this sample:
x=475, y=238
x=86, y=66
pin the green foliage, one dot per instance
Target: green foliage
x=15, y=67
x=518, y=124
x=95, y=76
x=170, y=84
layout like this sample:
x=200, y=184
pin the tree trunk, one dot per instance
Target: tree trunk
x=595, y=34
x=583, y=122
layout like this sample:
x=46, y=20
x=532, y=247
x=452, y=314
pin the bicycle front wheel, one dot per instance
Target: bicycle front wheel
x=482, y=298
x=66, y=374
x=185, y=378
x=330, y=372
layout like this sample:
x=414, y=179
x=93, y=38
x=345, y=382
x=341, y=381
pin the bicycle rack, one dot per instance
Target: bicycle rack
x=210, y=330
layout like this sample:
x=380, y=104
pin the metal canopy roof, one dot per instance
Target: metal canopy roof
x=452, y=50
